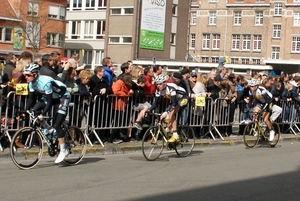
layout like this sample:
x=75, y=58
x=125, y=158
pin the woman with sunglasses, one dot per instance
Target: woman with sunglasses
x=53, y=92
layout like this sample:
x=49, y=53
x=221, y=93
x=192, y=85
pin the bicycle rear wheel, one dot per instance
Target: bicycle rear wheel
x=276, y=129
x=26, y=148
x=76, y=144
x=152, y=143
x=251, y=135
x=187, y=140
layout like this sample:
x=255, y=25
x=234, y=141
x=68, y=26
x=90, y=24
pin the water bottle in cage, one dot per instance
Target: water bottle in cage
x=48, y=130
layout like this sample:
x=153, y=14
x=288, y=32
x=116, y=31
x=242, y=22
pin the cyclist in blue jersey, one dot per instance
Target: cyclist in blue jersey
x=53, y=92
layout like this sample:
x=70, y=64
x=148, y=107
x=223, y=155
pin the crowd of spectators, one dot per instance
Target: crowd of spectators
x=138, y=83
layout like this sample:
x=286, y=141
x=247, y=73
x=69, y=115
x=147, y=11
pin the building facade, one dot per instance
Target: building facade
x=32, y=25
x=248, y=33
x=96, y=29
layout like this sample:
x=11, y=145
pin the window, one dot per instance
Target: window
x=173, y=39
x=246, y=42
x=88, y=29
x=235, y=42
x=257, y=42
x=245, y=61
x=75, y=32
x=193, y=40
x=278, y=9
x=296, y=18
x=276, y=30
x=77, y=4
x=174, y=9
x=204, y=59
x=215, y=59
x=99, y=57
x=234, y=60
x=32, y=9
x=206, y=41
x=237, y=18
x=256, y=61
x=213, y=1
x=193, y=18
x=100, y=29
x=102, y=3
x=32, y=34
x=216, y=41
x=90, y=4
x=212, y=18
x=6, y=34
x=55, y=39
x=57, y=12
x=259, y=17
x=275, y=52
x=296, y=44
x=127, y=39
x=120, y=39
x=121, y=11
x=128, y=11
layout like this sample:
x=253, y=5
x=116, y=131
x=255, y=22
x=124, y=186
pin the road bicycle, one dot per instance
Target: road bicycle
x=156, y=138
x=254, y=131
x=27, y=145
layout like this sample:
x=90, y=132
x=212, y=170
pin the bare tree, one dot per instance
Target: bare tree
x=33, y=27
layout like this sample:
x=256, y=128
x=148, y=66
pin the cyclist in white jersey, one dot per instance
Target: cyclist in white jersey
x=262, y=100
x=178, y=100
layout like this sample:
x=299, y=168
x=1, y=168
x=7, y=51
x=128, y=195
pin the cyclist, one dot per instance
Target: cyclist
x=53, y=92
x=262, y=100
x=178, y=100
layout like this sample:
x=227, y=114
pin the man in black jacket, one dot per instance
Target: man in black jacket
x=9, y=67
x=99, y=87
x=49, y=63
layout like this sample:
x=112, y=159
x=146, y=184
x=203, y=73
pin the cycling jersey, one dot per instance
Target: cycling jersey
x=53, y=91
x=175, y=93
x=262, y=97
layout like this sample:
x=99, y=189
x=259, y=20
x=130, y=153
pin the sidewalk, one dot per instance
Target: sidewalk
x=127, y=147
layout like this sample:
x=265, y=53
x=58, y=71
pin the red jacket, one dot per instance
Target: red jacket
x=149, y=88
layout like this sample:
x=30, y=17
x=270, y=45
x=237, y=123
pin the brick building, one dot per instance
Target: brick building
x=32, y=25
x=249, y=33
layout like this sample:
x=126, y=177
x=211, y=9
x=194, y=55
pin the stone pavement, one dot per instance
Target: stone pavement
x=134, y=146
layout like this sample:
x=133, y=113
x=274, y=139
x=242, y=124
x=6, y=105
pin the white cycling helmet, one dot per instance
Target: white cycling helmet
x=160, y=79
x=252, y=82
x=31, y=68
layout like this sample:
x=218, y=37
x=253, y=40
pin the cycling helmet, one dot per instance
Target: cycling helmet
x=160, y=79
x=31, y=68
x=252, y=82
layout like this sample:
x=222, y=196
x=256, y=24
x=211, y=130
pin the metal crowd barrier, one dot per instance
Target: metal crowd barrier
x=100, y=114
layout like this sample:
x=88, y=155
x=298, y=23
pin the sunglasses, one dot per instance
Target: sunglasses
x=158, y=84
x=28, y=75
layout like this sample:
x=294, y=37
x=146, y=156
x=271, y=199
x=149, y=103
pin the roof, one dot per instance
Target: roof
x=9, y=11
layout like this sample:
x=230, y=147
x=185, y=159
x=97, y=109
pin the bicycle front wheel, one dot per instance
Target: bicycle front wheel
x=251, y=135
x=152, y=143
x=276, y=129
x=26, y=148
x=75, y=142
x=187, y=140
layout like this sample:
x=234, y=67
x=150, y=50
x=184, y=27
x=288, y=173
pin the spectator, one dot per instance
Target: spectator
x=70, y=82
x=50, y=63
x=137, y=72
x=193, y=78
x=157, y=70
x=149, y=87
x=126, y=68
x=108, y=72
x=77, y=59
x=10, y=65
x=99, y=87
x=122, y=89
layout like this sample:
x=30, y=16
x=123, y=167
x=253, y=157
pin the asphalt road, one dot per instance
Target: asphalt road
x=210, y=173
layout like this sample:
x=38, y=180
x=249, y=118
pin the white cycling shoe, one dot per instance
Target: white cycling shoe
x=61, y=156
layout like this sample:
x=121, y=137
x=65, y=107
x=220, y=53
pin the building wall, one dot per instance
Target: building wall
x=225, y=27
x=21, y=18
